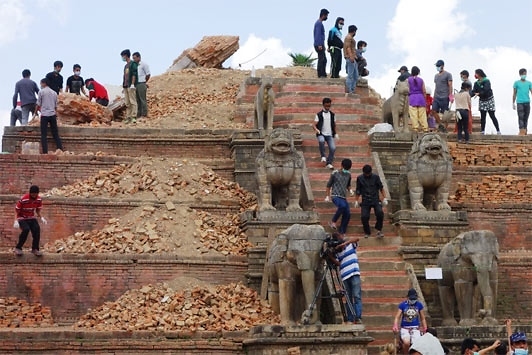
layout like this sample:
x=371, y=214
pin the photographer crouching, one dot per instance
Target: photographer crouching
x=342, y=251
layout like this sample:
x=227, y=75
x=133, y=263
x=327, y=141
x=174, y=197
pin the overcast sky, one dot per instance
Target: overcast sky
x=491, y=35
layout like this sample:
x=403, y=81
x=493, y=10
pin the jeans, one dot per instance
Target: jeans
x=483, y=120
x=523, y=111
x=330, y=143
x=142, y=110
x=352, y=75
x=336, y=62
x=322, y=62
x=130, y=98
x=353, y=290
x=28, y=225
x=365, y=211
x=463, y=125
x=26, y=109
x=342, y=210
x=44, y=130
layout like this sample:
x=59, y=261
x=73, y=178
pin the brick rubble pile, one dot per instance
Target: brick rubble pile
x=17, y=313
x=158, y=307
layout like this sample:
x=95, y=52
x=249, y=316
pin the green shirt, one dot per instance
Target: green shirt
x=522, y=88
x=133, y=72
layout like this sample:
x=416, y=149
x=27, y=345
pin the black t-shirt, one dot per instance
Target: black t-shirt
x=55, y=81
x=74, y=84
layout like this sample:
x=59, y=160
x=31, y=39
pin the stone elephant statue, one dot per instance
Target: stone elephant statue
x=395, y=109
x=294, y=268
x=469, y=267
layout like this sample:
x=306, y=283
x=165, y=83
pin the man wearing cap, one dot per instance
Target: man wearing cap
x=412, y=318
x=404, y=73
x=518, y=343
x=443, y=93
x=319, y=43
x=27, y=207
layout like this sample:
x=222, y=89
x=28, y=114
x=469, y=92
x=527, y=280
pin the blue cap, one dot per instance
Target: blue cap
x=517, y=337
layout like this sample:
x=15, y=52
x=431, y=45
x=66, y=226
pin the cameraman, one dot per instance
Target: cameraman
x=345, y=256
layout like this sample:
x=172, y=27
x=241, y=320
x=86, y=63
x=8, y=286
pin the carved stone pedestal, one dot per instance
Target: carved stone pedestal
x=306, y=340
x=261, y=228
x=429, y=228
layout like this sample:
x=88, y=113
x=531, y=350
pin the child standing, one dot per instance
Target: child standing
x=431, y=121
x=463, y=107
x=337, y=187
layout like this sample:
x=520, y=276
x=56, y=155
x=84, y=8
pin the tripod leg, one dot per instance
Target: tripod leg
x=308, y=314
x=348, y=306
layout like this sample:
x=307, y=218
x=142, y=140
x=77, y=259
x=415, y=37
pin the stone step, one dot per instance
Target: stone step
x=380, y=265
x=314, y=96
x=369, y=253
x=303, y=117
x=310, y=109
x=376, y=319
x=326, y=87
x=380, y=305
x=370, y=291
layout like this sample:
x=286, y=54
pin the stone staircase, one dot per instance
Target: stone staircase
x=384, y=280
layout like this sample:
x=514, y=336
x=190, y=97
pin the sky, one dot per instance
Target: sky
x=491, y=35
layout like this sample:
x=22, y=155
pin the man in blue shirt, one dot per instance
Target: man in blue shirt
x=347, y=259
x=319, y=43
x=521, y=97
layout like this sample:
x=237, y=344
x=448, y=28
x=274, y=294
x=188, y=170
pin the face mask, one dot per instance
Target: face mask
x=412, y=302
x=464, y=78
x=438, y=69
x=340, y=26
x=345, y=171
x=523, y=77
x=520, y=352
x=363, y=49
x=57, y=70
x=42, y=86
x=124, y=59
x=77, y=73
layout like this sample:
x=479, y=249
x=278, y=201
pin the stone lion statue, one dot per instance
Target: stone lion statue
x=395, y=109
x=279, y=171
x=264, y=102
x=429, y=170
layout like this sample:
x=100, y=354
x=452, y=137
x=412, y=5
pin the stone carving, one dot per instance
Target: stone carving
x=295, y=267
x=395, y=109
x=469, y=264
x=279, y=171
x=429, y=170
x=264, y=102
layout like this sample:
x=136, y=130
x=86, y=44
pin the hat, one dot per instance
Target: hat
x=427, y=344
x=412, y=294
x=517, y=336
x=34, y=189
x=403, y=68
x=439, y=63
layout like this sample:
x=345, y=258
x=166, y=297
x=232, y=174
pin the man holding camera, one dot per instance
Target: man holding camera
x=346, y=258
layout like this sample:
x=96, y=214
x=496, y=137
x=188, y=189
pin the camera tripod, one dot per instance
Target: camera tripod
x=337, y=292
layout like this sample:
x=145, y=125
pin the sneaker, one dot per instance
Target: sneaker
x=126, y=121
x=482, y=133
x=367, y=236
x=358, y=321
x=330, y=166
x=323, y=160
x=36, y=252
x=332, y=225
x=499, y=133
x=18, y=252
x=133, y=120
x=379, y=234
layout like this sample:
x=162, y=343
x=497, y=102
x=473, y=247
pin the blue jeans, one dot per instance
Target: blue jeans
x=330, y=143
x=342, y=210
x=353, y=289
x=352, y=75
x=26, y=110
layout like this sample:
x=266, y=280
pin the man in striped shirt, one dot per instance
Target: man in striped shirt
x=347, y=260
x=27, y=207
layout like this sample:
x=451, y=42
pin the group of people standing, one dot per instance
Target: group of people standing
x=135, y=86
x=423, y=108
x=339, y=47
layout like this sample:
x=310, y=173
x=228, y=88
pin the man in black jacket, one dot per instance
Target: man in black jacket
x=336, y=44
x=325, y=128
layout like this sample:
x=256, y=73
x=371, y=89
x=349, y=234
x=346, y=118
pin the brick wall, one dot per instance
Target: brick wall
x=71, y=284
x=128, y=142
x=69, y=215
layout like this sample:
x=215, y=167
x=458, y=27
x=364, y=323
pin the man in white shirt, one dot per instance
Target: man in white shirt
x=325, y=128
x=142, y=85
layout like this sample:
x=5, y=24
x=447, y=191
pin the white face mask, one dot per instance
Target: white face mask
x=340, y=26
x=77, y=72
x=438, y=69
x=520, y=352
x=363, y=49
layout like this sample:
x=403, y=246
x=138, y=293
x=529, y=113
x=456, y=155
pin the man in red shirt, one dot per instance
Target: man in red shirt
x=97, y=91
x=27, y=207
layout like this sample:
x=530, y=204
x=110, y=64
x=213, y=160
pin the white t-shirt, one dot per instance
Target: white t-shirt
x=326, y=129
x=143, y=70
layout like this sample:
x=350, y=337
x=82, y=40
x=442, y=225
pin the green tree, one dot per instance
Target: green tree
x=302, y=60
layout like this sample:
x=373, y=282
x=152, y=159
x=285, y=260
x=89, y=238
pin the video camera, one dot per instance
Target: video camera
x=329, y=246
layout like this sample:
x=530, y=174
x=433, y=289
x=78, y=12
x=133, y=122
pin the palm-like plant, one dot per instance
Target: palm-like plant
x=302, y=60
